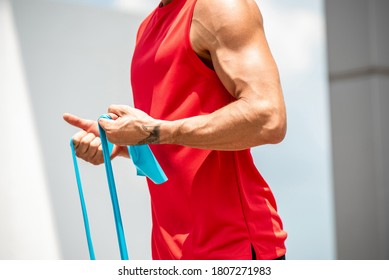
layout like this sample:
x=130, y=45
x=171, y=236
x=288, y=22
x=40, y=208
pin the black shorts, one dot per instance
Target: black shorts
x=254, y=256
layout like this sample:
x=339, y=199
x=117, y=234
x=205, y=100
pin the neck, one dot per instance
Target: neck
x=165, y=2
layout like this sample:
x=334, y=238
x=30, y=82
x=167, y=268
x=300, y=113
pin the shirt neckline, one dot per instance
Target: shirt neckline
x=167, y=7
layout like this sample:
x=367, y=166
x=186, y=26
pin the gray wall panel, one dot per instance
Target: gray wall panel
x=359, y=101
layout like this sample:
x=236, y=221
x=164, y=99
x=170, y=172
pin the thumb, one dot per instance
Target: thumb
x=113, y=116
x=105, y=123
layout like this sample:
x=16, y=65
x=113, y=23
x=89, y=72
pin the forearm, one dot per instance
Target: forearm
x=239, y=125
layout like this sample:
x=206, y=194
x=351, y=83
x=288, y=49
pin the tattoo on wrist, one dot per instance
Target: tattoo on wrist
x=153, y=138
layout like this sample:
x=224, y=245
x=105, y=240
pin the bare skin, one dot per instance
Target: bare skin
x=228, y=36
x=165, y=2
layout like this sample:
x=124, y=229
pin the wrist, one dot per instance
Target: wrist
x=169, y=132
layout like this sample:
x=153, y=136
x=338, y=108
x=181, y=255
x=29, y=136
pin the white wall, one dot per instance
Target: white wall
x=27, y=229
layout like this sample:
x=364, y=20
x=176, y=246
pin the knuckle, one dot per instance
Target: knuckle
x=85, y=141
x=76, y=142
x=80, y=134
x=95, y=145
x=77, y=137
x=78, y=154
x=111, y=107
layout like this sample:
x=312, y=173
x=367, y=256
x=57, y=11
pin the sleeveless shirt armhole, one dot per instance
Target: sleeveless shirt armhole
x=196, y=61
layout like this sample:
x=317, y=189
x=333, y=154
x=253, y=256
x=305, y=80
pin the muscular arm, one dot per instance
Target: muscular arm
x=229, y=35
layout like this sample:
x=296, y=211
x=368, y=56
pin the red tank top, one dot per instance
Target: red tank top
x=215, y=204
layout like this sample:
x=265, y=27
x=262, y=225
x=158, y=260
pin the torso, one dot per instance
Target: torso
x=215, y=204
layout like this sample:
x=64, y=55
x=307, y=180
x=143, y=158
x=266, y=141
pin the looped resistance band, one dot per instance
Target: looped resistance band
x=146, y=165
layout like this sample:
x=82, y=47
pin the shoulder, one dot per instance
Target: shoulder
x=227, y=19
x=228, y=11
x=227, y=4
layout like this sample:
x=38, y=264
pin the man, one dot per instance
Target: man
x=206, y=89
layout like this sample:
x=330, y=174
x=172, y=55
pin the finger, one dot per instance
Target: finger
x=87, y=125
x=84, y=145
x=118, y=110
x=91, y=154
x=105, y=123
x=77, y=138
x=119, y=151
x=98, y=157
x=115, y=151
x=93, y=147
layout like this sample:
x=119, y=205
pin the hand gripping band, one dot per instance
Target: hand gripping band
x=146, y=165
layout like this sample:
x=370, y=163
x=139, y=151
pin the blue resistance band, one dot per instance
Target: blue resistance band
x=83, y=206
x=146, y=165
